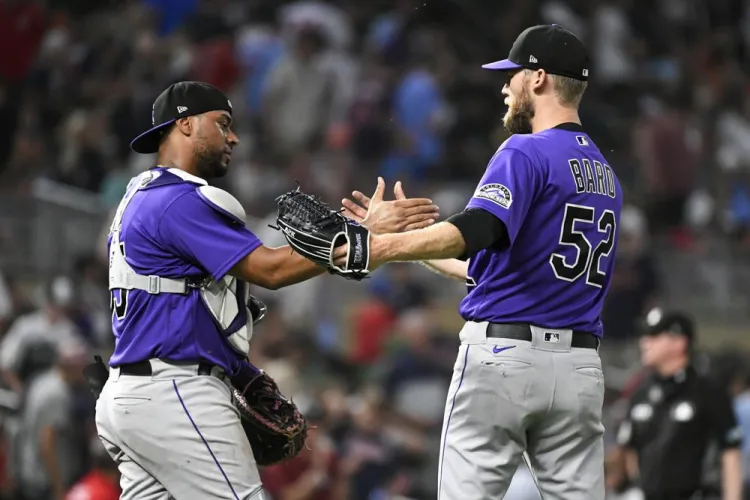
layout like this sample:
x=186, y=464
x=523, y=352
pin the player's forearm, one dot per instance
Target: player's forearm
x=293, y=269
x=274, y=268
x=440, y=241
x=731, y=475
x=451, y=268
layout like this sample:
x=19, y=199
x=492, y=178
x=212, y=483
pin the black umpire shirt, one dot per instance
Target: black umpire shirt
x=670, y=424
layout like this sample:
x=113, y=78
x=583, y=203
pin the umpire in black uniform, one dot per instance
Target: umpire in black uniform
x=675, y=415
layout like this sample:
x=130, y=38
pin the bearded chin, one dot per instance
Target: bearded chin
x=518, y=120
x=209, y=166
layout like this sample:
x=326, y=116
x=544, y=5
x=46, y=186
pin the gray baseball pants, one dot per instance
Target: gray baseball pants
x=176, y=435
x=509, y=396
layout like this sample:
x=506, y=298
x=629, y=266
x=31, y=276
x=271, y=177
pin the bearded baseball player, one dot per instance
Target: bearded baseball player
x=536, y=248
x=180, y=409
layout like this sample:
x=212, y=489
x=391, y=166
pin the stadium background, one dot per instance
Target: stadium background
x=333, y=94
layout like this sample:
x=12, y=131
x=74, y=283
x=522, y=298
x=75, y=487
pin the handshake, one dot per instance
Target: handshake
x=341, y=240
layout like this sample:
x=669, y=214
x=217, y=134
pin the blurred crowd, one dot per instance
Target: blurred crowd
x=331, y=95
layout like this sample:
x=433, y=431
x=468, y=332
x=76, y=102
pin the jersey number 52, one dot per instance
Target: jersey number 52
x=588, y=258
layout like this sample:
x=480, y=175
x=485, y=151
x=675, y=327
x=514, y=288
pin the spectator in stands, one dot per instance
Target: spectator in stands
x=22, y=26
x=51, y=446
x=417, y=378
x=668, y=148
x=315, y=474
x=634, y=291
x=419, y=114
x=299, y=96
x=32, y=340
x=370, y=454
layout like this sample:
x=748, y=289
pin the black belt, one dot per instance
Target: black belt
x=143, y=369
x=520, y=331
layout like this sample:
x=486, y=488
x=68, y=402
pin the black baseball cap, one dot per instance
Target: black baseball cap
x=178, y=101
x=549, y=47
x=660, y=322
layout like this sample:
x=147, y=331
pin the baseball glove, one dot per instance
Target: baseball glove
x=313, y=230
x=274, y=426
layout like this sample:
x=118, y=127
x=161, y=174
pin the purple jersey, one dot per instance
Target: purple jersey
x=560, y=202
x=170, y=230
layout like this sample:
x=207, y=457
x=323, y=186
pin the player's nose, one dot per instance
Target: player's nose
x=232, y=139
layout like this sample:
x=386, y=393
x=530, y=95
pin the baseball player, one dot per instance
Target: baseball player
x=180, y=259
x=536, y=248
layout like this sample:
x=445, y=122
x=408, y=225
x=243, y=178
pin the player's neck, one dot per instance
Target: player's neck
x=551, y=118
x=173, y=158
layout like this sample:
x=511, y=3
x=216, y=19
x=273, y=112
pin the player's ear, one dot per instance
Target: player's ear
x=539, y=79
x=185, y=125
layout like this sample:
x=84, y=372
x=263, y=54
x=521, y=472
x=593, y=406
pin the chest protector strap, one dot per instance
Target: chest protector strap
x=121, y=275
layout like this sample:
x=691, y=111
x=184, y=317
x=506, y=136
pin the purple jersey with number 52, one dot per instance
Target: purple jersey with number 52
x=561, y=203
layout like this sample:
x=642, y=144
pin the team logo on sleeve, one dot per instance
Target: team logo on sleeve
x=496, y=193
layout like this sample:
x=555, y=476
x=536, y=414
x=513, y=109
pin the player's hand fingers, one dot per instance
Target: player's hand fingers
x=379, y=191
x=353, y=211
x=419, y=225
x=413, y=218
x=418, y=209
x=398, y=191
x=351, y=215
x=362, y=198
x=414, y=202
x=340, y=253
x=418, y=217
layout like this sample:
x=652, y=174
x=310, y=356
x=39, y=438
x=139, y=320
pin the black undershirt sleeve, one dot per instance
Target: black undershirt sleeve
x=480, y=230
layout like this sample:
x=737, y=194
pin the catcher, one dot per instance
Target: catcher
x=181, y=410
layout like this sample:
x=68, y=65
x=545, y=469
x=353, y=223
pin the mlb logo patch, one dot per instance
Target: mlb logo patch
x=554, y=338
x=582, y=141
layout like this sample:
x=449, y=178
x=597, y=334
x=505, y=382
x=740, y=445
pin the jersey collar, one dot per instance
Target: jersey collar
x=570, y=127
x=186, y=176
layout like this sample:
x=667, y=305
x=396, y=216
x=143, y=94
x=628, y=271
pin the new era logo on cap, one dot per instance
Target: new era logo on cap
x=533, y=59
x=181, y=109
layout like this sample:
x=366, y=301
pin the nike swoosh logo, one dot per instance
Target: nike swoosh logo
x=498, y=350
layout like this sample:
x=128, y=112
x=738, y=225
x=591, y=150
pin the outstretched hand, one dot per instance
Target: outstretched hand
x=396, y=216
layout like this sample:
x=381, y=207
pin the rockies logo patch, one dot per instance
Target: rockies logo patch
x=496, y=193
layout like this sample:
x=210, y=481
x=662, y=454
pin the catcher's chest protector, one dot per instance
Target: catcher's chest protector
x=225, y=299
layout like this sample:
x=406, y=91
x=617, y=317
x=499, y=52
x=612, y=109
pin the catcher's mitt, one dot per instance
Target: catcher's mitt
x=313, y=230
x=275, y=428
